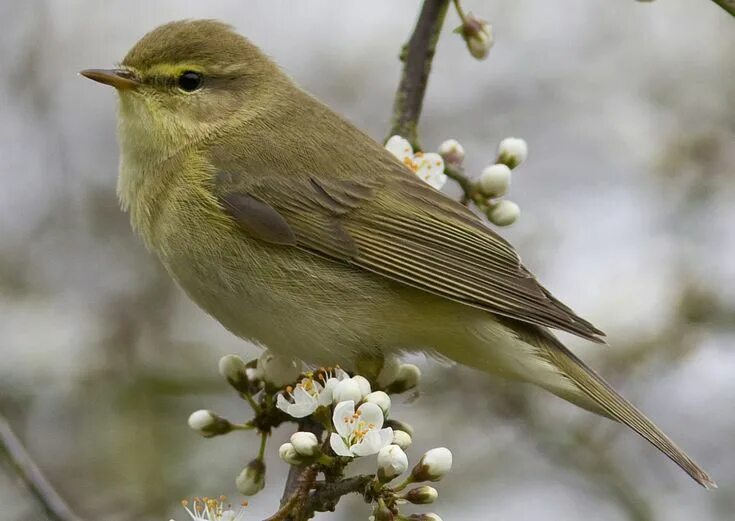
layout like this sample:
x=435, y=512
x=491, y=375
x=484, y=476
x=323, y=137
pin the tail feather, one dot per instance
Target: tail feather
x=611, y=404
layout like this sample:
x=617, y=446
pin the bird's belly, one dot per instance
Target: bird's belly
x=296, y=303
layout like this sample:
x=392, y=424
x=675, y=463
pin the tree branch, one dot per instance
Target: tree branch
x=417, y=56
x=12, y=448
x=727, y=5
x=327, y=495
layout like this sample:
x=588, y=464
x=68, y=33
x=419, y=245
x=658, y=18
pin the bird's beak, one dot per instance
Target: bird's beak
x=118, y=78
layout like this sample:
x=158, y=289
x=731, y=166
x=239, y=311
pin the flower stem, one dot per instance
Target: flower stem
x=253, y=404
x=460, y=12
x=263, y=442
x=406, y=482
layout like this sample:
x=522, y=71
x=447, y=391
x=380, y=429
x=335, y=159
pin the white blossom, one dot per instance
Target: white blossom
x=433, y=465
x=206, y=509
x=392, y=462
x=359, y=433
x=252, y=478
x=277, y=369
x=305, y=443
x=380, y=399
x=512, y=151
x=308, y=395
x=479, y=36
x=495, y=180
x=504, y=213
x=355, y=389
x=428, y=167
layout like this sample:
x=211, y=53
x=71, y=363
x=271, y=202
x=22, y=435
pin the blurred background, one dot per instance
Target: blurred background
x=627, y=201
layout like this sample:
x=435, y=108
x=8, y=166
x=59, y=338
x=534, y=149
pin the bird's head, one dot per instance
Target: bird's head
x=186, y=79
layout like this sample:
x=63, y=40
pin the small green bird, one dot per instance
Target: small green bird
x=296, y=230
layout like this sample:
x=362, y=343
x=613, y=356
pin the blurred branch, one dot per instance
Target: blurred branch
x=727, y=5
x=417, y=56
x=12, y=448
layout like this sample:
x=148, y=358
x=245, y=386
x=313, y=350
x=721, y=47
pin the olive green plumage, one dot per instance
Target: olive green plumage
x=299, y=232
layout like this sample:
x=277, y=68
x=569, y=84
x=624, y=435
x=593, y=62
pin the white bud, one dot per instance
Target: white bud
x=305, y=443
x=288, y=453
x=252, y=478
x=479, y=36
x=402, y=439
x=347, y=390
x=433, y=465
x=392, y=462
x=253, y=374
x=512, y=151
x=452, y=151
x=380, y=399
x=208, y=424
x=389, y=371
x=423, y=495
x=233, y=369
x=279, y=370
x=504, y=213
x=495, y=180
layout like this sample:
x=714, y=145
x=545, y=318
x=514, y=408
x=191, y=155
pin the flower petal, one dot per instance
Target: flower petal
x=301, y=396
x=301, y=410
x=431, y=170
x=370, y=444
x=339, y=446
x=371, y=414
x=282, y=403
x=399, y=147
x=343, y=418
x=326, y=395
x=386, y=437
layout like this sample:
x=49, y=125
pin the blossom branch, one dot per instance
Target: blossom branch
x=32, y=477
x=417, y=56
x=327, y=495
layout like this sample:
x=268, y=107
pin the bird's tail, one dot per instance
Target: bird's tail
x=597, y=395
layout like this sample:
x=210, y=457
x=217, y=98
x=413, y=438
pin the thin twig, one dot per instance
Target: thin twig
x=26, y=469
x=727, y=5
x=417, y=56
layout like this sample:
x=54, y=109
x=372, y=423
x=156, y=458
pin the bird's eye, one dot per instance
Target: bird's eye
x=190, y=81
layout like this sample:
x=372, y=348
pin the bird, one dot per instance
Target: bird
x=299, y=232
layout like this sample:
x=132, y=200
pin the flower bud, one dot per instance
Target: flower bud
x=422, y=495
x=512, y=151
x=382, y=513
x=495, y=180
x=208, y=424
x=305, y=443
x=402, y=439
x=234, y=370
x=452, y=152
x=392, y=462
x=347, y=390
x=408, y=378
x=279, y=370
x=424, y=517
x=288, y=453
x=397, y=425
x=252, y=478
x=478, y=34
x=503, y=213
x=380, y=399
x=433, y=465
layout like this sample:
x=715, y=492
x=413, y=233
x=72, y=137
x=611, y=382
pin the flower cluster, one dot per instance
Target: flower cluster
x=350, y=416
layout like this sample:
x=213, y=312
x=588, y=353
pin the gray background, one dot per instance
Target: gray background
x=627, y=211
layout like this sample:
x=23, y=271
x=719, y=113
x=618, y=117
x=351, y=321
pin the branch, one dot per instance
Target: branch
x=295, y=478
x=12, y=448
x=327, y=495
x=417, y=56
x=727, y=5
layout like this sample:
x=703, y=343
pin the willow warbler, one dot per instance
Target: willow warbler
x=297, y=231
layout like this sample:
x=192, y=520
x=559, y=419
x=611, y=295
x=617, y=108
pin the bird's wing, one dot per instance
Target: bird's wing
x=399, y=227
